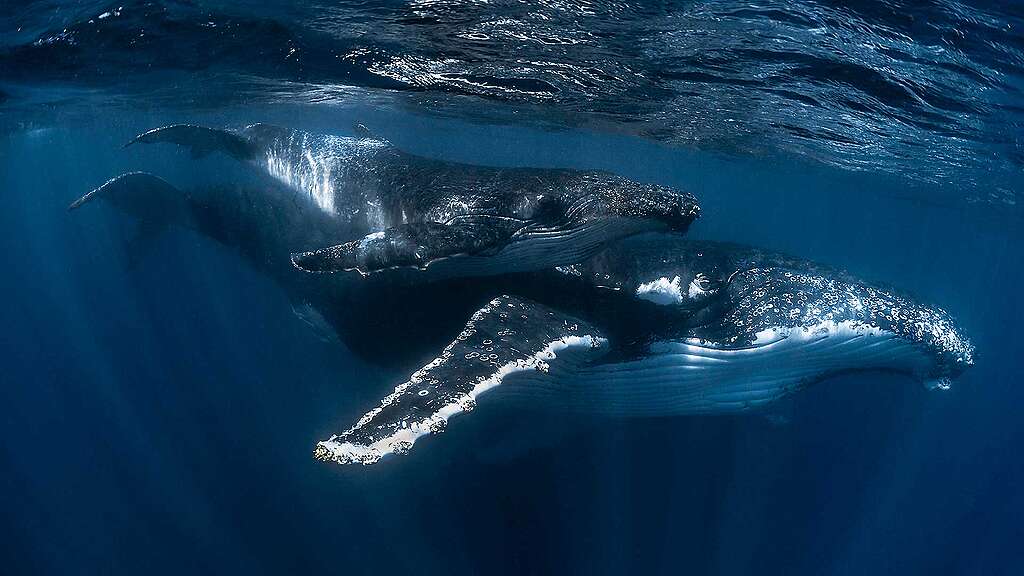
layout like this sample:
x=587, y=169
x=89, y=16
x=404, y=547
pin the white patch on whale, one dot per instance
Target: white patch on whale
x=369, y=239
x=535, y=249
x=401, y=441
x=662, y=291
x=313, y=178
x=318, y=166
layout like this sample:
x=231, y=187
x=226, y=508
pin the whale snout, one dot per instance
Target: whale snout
x=661, y=207
x=854, y=325
x=676, y=209
x=942, y=349
x=951, y=351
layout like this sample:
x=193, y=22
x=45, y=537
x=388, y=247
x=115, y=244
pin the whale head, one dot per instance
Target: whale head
x=742, y=296
x=648, y=206
x=727, y=328
x=849, y=324
x=592, y=211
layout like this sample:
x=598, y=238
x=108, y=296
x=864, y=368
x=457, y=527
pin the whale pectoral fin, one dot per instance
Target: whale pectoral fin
x=200, y=140
x=414, y=245
x=508, y=336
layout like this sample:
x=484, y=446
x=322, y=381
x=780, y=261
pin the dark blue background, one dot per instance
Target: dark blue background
x=161, y=420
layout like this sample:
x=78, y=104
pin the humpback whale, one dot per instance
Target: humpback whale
x=663, y=326
x=268, y=224
x=454, y=219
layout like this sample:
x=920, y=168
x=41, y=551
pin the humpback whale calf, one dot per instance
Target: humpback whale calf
x=663, y=326
x=267, y=224
x=454, y=219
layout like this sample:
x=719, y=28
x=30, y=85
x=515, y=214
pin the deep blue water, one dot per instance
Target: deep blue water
x=161, y=419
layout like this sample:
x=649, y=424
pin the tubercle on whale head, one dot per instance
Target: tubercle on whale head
x=933, y=329
x=954, y=354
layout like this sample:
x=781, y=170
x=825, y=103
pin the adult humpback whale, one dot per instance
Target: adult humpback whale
x=457, y=219
x=663, y=326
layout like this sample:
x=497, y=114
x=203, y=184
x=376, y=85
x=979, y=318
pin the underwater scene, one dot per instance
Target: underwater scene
x=512, y=287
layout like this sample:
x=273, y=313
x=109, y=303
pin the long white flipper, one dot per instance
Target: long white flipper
x=508, y=336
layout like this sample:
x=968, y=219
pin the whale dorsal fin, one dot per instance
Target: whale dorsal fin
x=506, y=343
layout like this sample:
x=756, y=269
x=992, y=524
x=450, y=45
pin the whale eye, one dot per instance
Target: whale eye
x=544, y=209
x=699, y=287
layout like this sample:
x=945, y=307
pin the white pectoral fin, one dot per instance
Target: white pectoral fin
x=509, y=336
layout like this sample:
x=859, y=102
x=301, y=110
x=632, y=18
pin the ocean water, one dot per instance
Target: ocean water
x=159, y=417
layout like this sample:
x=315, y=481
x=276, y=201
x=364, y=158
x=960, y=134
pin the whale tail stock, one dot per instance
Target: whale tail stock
x=153, y=203
x=200, y=140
